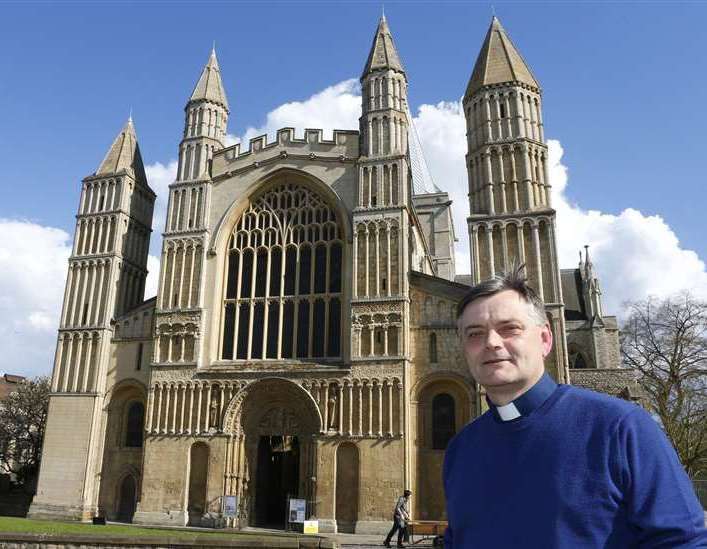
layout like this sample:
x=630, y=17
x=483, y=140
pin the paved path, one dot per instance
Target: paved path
x=360, y=541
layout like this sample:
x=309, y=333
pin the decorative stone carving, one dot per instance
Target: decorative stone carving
x=278, y=421
x=332, y=410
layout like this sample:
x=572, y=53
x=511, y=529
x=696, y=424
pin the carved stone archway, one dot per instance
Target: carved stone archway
x=271, y=407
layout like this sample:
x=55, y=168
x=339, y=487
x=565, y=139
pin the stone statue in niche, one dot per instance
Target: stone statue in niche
x=332, y=409
x=213, y=414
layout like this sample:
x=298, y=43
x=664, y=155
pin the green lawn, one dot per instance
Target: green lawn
x=26, y=526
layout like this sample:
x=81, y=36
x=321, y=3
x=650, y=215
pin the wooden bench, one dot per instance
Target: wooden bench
x=425, y=529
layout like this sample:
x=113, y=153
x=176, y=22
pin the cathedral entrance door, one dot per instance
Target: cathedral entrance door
x=277, y=479
x=126, y=503
x=272, y=450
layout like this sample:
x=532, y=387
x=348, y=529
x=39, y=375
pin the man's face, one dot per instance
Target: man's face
x=503, y=344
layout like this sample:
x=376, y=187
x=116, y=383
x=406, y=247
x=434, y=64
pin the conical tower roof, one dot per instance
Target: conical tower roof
x=383, y=54
x=124, y=154
x=209, y=87
x=499, y=61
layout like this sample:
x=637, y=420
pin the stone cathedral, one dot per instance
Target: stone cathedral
x=302, y=343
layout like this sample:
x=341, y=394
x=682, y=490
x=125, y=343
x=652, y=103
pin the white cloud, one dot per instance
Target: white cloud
x=159, y=177
x=336, y=107
x=634, y=254
x=153, y=272
x=33, y=267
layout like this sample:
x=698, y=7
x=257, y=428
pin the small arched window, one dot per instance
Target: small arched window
x=135, y=420
x=443, y=420
x=433, y=348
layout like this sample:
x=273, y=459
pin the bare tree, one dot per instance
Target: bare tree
x=666, y=341
x=23, y=416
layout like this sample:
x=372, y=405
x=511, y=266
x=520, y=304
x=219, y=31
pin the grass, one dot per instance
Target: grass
x=48, y=527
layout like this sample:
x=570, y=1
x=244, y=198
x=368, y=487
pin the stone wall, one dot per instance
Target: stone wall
x=605, y=380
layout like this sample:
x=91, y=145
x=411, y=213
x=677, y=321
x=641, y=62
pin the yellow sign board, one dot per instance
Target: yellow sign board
x=311, y=526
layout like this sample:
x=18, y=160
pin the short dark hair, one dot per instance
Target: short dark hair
x=514, y=279
x=407, y=493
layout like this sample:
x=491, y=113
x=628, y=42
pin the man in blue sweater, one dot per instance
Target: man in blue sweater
x=554, y=465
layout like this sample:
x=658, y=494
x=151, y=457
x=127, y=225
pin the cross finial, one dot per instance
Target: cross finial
x=383, y=10
x=130, y=116
x=493, y=10
x=213, y=46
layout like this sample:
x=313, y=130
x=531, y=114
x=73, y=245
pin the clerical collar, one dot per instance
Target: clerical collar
x=532, y=399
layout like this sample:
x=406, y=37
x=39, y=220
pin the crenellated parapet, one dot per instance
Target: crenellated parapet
x=343, y=147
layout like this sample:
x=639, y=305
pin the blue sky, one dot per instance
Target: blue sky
x=624, y=87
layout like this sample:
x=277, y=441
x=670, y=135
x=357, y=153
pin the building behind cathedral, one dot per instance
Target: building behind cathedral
x=302, y=342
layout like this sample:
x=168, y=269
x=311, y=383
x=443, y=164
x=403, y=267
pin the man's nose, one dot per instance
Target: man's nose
x=493, y=339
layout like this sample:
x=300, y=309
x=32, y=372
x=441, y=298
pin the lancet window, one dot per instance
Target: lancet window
x=283, y=279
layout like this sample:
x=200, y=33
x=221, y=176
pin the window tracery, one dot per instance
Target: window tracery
x=283, y=276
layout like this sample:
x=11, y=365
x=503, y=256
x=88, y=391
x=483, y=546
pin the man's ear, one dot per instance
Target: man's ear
x=546, y=337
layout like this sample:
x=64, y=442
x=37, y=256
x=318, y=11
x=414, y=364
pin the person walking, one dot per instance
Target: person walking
x=401, y=515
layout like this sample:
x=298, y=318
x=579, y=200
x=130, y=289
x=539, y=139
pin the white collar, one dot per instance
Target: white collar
x=508, y=411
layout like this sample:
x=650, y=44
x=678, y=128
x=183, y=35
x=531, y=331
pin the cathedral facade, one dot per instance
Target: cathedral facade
x=303, y=341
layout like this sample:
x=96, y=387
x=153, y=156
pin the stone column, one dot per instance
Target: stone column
x=489, y=184
x=325, y=427
x=158, y=414
x=354, y=269
x=538, y=260
x=191, y=275
x=390, y=407
x=167, y=408
x=376, y=234
x=379, y=386
x=350, y=411
x=368, y=270
x=340, y=396
x=369, y=386
x=182, y=389
x=150, y=407
x=87, y=367
x=198, y=410
x=489, y=246
x=360, y=408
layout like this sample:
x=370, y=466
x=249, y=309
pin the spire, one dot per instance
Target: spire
x=422, y=182
x=499, y=61
x=124, y=154
x=383, y=54
x=209, y=86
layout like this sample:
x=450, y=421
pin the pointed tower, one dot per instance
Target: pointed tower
x=381, y=221
x=205, y=123
x=107, y=271
x=509, y=193
x=185, y=227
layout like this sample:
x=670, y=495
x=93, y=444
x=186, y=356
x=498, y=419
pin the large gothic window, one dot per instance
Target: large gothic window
x=283, y=279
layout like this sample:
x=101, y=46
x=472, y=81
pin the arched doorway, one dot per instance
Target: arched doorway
x=127, y=499
x=271, y=450
x=443, y=408
x=198, y=475
x=347, y=474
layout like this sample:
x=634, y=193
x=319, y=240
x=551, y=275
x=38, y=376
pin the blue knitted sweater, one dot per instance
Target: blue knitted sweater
x=583, y=470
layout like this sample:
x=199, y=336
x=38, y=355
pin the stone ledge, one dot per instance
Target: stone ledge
x=60, y=541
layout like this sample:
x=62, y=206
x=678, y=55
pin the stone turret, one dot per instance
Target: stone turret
x=107, y=272
x=382, y=214
x=205, y=123
x=591, y=290
x=509, y=193
x=185, y=233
